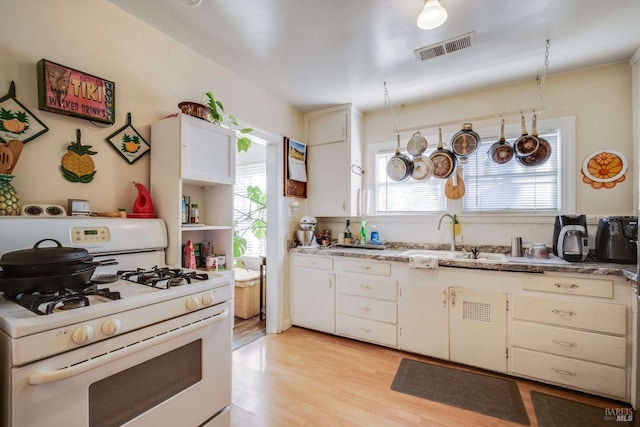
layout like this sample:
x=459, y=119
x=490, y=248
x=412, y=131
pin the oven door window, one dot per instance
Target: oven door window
x=123, y=396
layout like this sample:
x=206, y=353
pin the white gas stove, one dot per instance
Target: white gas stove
x=81, y=343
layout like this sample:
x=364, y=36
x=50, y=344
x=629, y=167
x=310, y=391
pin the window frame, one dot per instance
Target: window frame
x=566, y=172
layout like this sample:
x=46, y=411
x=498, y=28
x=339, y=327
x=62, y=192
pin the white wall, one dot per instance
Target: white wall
x=600, y=100
x=152, y=74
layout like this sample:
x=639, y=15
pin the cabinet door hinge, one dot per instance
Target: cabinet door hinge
x=507, y=301
x=506, y=351
x=400, y=331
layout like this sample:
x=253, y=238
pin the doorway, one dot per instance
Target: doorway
x=262, y=166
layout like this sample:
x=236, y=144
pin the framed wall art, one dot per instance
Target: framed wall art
x=71, y=92
x=16, y=121
x=128, y=142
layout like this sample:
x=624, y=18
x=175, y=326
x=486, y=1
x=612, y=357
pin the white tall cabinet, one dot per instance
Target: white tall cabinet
x=334, y=162
x=195, y=158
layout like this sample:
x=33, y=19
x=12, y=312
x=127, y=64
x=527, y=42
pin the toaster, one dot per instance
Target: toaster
x=617, y=239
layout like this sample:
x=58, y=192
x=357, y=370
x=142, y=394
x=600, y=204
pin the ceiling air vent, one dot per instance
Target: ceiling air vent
x=448, y=46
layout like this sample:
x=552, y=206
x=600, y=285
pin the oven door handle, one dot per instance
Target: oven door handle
x=72, y=371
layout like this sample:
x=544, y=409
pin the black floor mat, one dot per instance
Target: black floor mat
x=552, y=411
x=485, y=394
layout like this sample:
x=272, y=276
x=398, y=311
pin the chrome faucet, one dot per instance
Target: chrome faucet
x=453, y=229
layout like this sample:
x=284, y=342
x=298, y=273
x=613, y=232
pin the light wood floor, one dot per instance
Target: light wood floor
x=307, y=378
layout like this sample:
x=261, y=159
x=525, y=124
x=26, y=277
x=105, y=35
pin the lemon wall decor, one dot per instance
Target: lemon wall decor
x=128, y=142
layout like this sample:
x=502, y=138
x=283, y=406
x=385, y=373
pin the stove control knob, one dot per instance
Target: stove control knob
x=193, y=304
x=82, y=334
x=207, y=299
x=111, y=327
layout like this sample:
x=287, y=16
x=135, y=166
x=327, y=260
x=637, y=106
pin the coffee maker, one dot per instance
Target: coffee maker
x=306, y=234
x=570, y=239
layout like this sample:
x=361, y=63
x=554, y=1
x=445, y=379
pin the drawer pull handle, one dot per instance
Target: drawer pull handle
x=563, y=372
x=564, y=312
x=365, y=309
x=444, y=299
x=365, y=267
x=566, y=285
x=365, y=286
x=312, y=263
x=565, y=343
x=365, y=330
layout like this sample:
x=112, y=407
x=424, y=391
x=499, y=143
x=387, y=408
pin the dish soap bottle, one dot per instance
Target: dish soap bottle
x=363, y=232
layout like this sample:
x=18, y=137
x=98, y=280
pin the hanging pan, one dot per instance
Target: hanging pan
x=527, y=144
x=422, y=166
x=444, y=161
x=543, y=152
x=500, y=152
x=400, y=166
x=465, y=142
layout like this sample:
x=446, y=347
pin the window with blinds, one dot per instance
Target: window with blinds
x=489, y=187
x=410, y=196
x=511, y=187
x=254, y=174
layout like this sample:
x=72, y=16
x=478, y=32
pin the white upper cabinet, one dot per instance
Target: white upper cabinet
x=334, y=162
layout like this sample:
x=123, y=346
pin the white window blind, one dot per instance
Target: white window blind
x=254, y=174
x=410, y=196
x=511, y=187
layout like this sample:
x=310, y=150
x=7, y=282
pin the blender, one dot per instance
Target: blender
x=306, y=234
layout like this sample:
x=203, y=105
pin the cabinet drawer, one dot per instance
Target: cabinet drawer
x=366, y=286
x=602, y=288
x=367, y=267
x=610, y=318
x=570, y=343
x=383, y=311
x=321, y=263
x=367, y=330
x=570, y=372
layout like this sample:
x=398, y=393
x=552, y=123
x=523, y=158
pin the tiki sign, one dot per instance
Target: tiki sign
x=71, y=92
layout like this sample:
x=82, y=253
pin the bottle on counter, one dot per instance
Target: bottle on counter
x=347, y=233
x=363, y=232
x=189, y=256
x=195, y=214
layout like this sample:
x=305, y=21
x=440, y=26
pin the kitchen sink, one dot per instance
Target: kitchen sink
x=458, y=255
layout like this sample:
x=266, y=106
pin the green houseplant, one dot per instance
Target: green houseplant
x=217, y=116
x=251, y=221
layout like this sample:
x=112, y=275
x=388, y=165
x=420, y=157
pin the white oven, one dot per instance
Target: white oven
x=157, y=356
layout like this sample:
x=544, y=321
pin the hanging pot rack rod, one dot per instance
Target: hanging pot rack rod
x=519, y=112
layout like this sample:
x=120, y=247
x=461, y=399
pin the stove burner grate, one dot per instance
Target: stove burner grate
x=60, y=300
x=161, y=277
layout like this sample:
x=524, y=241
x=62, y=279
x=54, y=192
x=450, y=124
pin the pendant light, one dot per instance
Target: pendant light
x=432, y=16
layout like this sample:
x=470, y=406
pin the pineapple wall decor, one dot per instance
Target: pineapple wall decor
x=77, y=164
x=128, y=142
x=16, y=122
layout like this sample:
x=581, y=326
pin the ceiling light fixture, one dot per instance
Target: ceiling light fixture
x=432, y=16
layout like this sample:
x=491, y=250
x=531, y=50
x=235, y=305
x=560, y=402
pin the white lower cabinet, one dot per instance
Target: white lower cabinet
x=366, y=307
x=572, y=340
x=313, y=293
x=454, y=323
x=568, y=330
x=478, y=328
x=423, y=319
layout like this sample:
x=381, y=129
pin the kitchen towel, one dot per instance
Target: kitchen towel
x=423, y=261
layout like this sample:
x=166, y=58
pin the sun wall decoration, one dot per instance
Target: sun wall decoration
x=604, y=169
